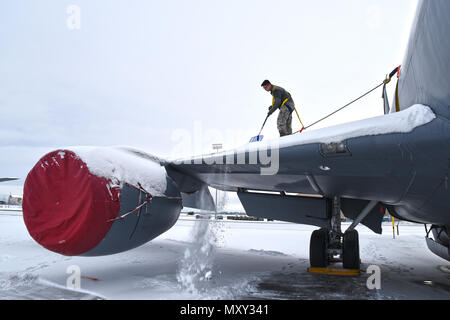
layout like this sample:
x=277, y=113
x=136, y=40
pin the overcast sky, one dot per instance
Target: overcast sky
x=149, y=74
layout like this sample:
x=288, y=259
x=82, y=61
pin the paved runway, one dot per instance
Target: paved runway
x=232, y=260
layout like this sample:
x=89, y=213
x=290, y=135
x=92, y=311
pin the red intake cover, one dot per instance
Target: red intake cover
x=65, y=207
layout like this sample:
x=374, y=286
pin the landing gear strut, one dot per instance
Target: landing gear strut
x=331, y=245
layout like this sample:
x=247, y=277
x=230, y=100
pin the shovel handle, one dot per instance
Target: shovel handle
x=263, y=125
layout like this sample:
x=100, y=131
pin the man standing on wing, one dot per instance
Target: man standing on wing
x=281, y=100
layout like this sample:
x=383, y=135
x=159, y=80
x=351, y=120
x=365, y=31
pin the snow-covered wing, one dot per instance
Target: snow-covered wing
x=332, y=160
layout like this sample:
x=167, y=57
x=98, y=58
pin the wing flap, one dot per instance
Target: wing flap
x=304, y=210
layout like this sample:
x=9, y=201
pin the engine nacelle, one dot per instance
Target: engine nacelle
x=97, y=201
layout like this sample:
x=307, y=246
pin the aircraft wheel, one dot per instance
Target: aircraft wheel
x=350, y=250
x=318, y=255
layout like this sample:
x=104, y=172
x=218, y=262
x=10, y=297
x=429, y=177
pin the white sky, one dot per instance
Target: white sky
x=173, y=77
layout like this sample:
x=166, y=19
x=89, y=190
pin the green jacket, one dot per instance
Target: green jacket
x=280, y=97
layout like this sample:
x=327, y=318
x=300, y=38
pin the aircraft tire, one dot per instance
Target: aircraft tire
x=441, y=235
x=318, y=256
x=350, y=250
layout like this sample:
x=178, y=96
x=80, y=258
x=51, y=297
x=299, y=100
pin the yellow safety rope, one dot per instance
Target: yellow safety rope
x=303, y=127
x=397, y=100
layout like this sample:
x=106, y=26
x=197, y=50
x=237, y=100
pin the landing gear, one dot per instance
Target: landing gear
x=331, y=245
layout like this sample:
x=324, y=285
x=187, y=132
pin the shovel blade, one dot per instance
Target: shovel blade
x=257, y=138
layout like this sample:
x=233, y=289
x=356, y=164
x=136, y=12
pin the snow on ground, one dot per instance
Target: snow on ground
x=221, y=260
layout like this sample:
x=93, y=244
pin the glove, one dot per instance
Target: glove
x=271, y=110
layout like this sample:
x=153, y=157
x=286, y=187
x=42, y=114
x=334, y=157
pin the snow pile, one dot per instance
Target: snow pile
x=31, y=286
x=15, y=280
x=196, y=265
x=122, y=165
x=400, y=122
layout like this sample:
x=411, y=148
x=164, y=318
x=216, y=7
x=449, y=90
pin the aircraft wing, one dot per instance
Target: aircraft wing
x=294, y=177
x=8, y=179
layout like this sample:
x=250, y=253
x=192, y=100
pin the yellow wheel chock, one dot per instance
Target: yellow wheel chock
x=333, y=271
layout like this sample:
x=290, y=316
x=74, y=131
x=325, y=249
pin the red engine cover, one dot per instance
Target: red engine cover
x=65, y=207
